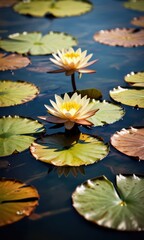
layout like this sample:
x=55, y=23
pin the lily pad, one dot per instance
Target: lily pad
x=130, y=97
x=17, y=200
x=14, y=93
x=135, y=79
x=62, y=150
x=120, y=208
x=125, y=37
x=135, y=5
x=61, y=8
x=130, y=142
x=17, y=134
x=7, y=3
x=12, y=62
x=36, y=44
x=108, y=113
x=91, y=93
x=138, y=21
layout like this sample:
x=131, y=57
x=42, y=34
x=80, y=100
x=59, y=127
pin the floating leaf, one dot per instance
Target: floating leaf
x=36, y=44
x=130, y=142
x=135, y=79
x=7, y=3
x=125, y=37
x=138, y=21
x=108, y=113
x=17, y=200
x=130, y=97
x=122, y=208
x=62, y=150
x=61, y=8
x=91, y=93
x=17, y=134
x=135, y=5
x=14, y=93
x=12, y=62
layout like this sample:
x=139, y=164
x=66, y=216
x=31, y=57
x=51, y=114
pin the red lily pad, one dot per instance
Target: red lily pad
x=125, y=37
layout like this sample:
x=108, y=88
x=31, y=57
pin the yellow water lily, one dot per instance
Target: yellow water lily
x=70, y=110
x=70, y=61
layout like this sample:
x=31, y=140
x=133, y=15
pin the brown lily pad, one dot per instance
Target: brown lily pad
x=130, y=142
x=17, y=200
x=125, y=37
x=7, y=3
x=138, y=21
x=13, y=61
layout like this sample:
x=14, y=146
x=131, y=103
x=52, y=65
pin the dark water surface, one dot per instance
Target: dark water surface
x=60, y=220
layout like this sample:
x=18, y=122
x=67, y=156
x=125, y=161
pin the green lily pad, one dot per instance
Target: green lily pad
x=62, y=150
x=14, y=93
x=17, y=134
x=130, y=97
x=17, y=200
x=135, y=79
x=135, y=5
x=130, y=142
x=36, y=44
x=122, y=208
x=91, y=93
x=108, y=113
x=61, y=8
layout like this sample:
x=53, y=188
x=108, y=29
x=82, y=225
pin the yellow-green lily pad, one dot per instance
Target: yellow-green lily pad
x=14, y=93
x=108, y=113
x=135, y=79
x=60, y=8
x=36, y=44
x=135, y=5
x=130, y=97
x=62, y=150
x=120, y=207
x=17, y=134
x=17, y=200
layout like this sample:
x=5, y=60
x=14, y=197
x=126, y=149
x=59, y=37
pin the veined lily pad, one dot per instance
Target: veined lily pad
x=138, y=21
x=17, y=134
x=61, y=8
x=130, y=97
x=12, y=62
x=14, y=93
x=130, y=142
x=122, y=208
x=17, y=200
x=135, y=5
x=7, y=3
x=36, y=44
x=125, y=37
x=62, y=150
x=108, y=113
x=135, y=79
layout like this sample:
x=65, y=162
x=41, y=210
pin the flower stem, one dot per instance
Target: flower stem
x=73, y=82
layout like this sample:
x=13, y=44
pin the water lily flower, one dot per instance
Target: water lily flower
x=70, y=110
x=70, y=61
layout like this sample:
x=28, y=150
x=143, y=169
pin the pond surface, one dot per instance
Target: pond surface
x=59, y=220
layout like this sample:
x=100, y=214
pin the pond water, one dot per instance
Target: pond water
x=60, y=220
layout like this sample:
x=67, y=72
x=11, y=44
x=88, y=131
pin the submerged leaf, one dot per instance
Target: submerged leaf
x=12, y=62
x=130, y=97
x=122, y=208
x=36, y=44
x=61, y=8
x=138, y=21
x=108, y=113
x=62, y=150
x=135, y=5
x=14, y=93
x=17, y=134
x=135, y=79
x=130, y=142
x=17, y=200
x=125, y=37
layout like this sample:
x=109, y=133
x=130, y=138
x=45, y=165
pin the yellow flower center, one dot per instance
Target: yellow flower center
x=69, y=106
x=71, y=55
